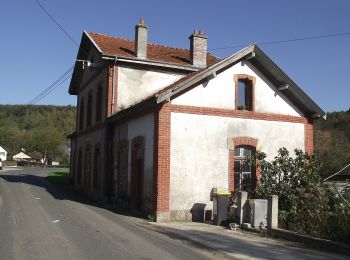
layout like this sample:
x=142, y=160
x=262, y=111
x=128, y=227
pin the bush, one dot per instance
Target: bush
x=306, y=205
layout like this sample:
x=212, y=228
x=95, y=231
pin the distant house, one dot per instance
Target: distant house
x=37, y=157
x=159, y=127
x=3, y=154
x=21, y=157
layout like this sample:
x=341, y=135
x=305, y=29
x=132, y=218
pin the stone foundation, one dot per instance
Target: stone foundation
x=184, y=215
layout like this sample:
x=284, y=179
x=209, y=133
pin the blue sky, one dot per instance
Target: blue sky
x=35, y=52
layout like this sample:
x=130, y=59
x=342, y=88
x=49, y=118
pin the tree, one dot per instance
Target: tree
x=45, y=140
x=13, y=139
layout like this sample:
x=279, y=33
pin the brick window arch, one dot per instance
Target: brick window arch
x=244, y=92
x=241, y=174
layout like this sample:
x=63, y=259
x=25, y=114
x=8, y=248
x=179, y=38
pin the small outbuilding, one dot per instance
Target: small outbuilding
x=37, y=157
x=21, y=157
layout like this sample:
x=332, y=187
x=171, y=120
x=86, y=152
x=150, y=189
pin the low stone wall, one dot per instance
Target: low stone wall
x=9, y=163
x=318, y=243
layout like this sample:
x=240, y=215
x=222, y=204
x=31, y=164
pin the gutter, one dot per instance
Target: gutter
x=113, y=99
x=152, y=63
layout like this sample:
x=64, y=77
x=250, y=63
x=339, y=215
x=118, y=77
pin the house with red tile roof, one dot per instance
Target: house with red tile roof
x=158, y=127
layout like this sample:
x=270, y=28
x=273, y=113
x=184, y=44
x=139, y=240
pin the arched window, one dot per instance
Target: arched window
x=97, y=168
x=137, y=172
x=245, y=87
x=81, y=114
x=80, y=166
x=89, y=110
x=242, y=174
x=87, y=168
x=244, y=171
x=99, y=104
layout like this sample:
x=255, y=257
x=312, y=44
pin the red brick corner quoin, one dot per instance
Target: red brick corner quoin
x=162, y=158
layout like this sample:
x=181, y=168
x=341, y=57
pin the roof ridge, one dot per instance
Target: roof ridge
x=150, y=43
x=111, y=36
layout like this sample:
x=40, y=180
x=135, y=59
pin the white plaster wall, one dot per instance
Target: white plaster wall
x=219, y=92
x=199, y=152
x=3, y=155
x=142, y=126
x=135, y=84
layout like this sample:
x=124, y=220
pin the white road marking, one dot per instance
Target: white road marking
x=56, y=220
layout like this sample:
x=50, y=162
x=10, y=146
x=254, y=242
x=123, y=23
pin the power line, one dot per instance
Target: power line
x=56, y=87
x=285, y=41
x=54, y=20
x=51, y=87
x=64, y=76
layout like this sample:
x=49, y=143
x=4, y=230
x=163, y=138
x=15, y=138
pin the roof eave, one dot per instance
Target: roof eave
x=255, y=55
x=205, y=73
x=149, y=62
x=293, y=91
x=80, y=56
x=146, y=105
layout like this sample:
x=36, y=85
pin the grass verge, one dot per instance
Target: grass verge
x=59, y=178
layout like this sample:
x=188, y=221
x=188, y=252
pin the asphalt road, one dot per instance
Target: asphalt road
x=38, y=221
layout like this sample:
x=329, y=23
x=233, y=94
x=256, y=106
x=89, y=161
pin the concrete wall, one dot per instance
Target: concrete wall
x=136, y=84
x=219, y=92
x=144, y=127
x=199, y=152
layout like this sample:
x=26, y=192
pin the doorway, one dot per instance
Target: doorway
x=137, y=178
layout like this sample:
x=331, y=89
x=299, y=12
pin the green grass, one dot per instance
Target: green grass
x=59, y=178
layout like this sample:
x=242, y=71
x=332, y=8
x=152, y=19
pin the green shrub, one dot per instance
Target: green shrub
x=306, y=205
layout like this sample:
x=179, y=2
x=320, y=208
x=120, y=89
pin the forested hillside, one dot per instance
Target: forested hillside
x=44, y=129
x=332, y=142
x=36, y=128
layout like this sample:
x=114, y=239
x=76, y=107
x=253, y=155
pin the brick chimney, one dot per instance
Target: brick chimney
x=198, y=48
x=141, y=40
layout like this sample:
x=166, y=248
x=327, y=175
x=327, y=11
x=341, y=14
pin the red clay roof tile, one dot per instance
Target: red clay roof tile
x=110, y=45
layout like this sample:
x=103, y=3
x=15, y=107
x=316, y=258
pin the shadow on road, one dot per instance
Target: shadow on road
x=64, y=192
x=244, y=247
